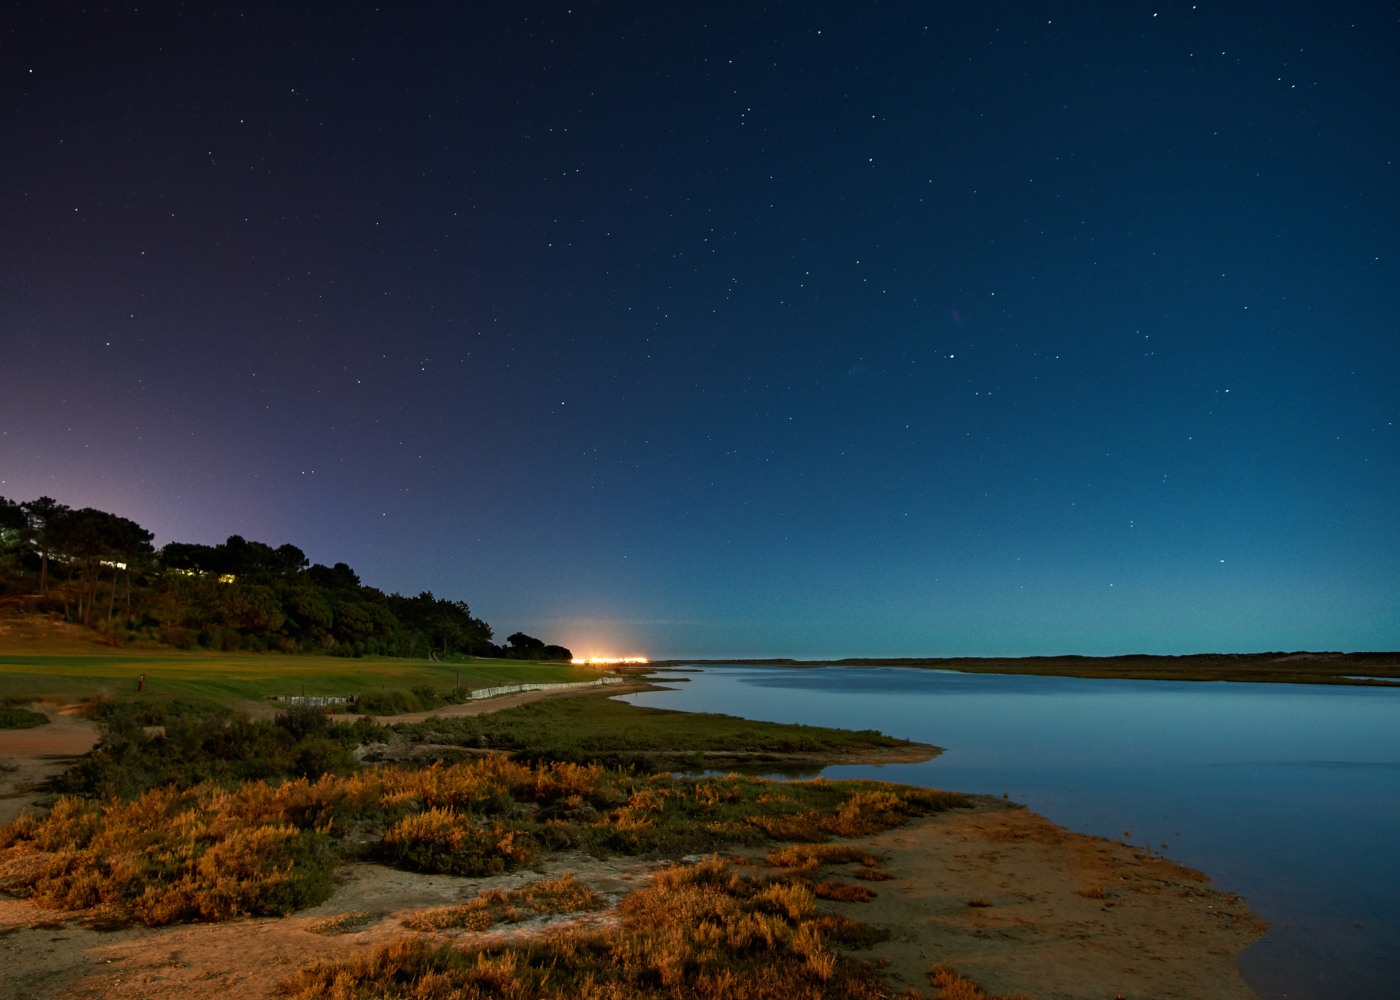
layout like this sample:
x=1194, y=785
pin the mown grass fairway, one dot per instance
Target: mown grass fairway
x=232, y=678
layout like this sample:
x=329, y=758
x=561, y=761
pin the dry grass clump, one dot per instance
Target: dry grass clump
x=343, y=923
x=700, y=931
x=844, y=892
x=454, y=843
x=872, y=875
x=810, y=857
x=162, y=859
x=951, y=986
x=211, y=853
x=803, y=859
x=862, y=812
x=562, y=895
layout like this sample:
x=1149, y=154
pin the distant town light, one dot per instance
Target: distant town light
x=606, y=661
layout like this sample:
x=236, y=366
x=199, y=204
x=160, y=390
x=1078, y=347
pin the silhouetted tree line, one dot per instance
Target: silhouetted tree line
x=102, y=571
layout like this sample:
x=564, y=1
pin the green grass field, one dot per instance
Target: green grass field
x=233, y=678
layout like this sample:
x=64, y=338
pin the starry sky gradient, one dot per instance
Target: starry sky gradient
x=802, y=329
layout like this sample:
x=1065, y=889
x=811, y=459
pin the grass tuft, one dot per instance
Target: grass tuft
x=344, y=923
x=213, y=853
x=952, y=986
x=844, y=892
x=549, y=897
x=702, y=931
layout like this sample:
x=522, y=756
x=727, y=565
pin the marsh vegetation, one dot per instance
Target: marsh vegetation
x=593, y=729
x=701, y=931
x=189, y=811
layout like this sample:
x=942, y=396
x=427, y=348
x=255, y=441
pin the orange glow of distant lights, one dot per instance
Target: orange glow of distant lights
x=606, y=661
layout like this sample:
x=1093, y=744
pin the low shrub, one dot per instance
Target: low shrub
x=447, y=842
x=700, y=931
x=19, y=717
x=952, y=986
x=844, y=892
x=154, y=744
x=390, y=703
x=219, y=850
x=562, y=895
x=169, y=856
x=805, y=857
x=343, y=923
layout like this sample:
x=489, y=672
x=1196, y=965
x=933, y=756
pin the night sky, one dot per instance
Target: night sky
x=730, y=329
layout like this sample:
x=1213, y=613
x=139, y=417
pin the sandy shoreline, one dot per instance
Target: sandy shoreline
x=1016, y=903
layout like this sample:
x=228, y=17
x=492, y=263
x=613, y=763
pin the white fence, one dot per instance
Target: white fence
x=317, y=701
x=517, y=688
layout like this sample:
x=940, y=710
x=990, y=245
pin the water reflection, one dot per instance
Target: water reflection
x=1288, y=794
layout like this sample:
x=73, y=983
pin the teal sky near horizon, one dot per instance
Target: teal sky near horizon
x=729, y=330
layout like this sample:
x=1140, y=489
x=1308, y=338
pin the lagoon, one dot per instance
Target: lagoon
x=1288, y=794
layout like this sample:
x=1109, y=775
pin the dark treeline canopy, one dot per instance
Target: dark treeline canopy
x=101, y=570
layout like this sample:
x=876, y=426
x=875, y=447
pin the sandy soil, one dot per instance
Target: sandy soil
x=29, y=757
x=1013, y=901
x=1017, y=903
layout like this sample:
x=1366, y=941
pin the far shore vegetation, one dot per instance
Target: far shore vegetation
x=99, y=574
x=1300, y=667
x=598, y=729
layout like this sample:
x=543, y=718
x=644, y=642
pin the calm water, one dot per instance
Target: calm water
x=1287, y=794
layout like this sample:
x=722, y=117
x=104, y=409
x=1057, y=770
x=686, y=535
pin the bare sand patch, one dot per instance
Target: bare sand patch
x=1017, y=903
x=30, y=757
